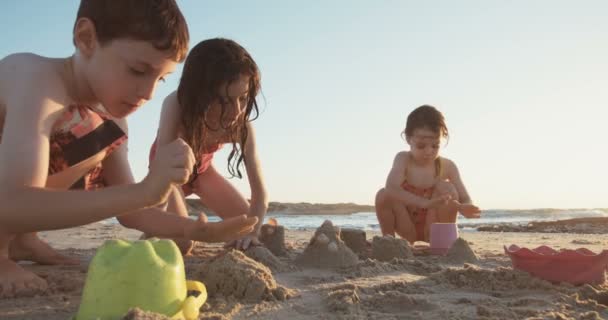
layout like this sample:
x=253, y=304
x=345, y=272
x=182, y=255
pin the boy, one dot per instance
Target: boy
x=63, y=120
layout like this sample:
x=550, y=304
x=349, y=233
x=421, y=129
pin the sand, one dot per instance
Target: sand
x=266, y=286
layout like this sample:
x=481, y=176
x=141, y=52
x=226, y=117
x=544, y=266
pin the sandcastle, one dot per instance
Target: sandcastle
x=272, y=235
x=388, y=247
x=354, y=239
x=327, y=250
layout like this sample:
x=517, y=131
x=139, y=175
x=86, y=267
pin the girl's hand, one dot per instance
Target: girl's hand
x=469, y=211
x=245, y=242
x=437, y=202
x=225, y=230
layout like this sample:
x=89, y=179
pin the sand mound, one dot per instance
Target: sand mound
x=138, y=314
x=399, y=286
x=265, y=257
x=461, y=252
x=370, y=267
x=233, y=274
x=599, y=295
x=326, y=250
x=395, y=302
x=499, y=279
x=387, y=301
x=387, y=247
x=343, y=299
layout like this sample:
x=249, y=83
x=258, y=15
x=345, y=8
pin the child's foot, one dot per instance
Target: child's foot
x=29, y=247
x=18, y=282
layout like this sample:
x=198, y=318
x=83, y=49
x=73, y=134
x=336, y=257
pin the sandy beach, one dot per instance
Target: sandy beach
x=468, y=284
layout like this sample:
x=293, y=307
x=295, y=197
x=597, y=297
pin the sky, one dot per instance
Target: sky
x=522, y=85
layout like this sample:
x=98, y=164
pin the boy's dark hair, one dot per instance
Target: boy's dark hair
x=157, y=21
x=209, y=65
x=428, y=117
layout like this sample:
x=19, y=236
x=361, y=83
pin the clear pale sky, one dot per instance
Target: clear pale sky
x=522, y=84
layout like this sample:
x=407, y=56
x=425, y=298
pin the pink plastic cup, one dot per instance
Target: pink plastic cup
x=443, y=236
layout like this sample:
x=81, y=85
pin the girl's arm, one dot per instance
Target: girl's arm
x=169, y=123
x=394, y=189
x=259, y=196
x=454, y=177
x=156, y=222
x=27, y=205
x=465, y=204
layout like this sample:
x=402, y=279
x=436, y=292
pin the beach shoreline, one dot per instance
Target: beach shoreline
x=421, y=287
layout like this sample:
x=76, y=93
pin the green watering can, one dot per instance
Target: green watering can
x=148, y=274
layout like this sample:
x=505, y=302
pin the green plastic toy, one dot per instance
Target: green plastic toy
x=148, y=274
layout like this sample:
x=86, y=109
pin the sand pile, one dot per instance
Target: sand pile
x=272, y=235
x=343, y=299
x=599, y=294
x=396, y=302
x=233, y=274
x=398, y=286
x=461, y=252
x=265, y=257
x=370, y=267
x=326, y=250
x=138, y=314
x=356, y=302
x=387, y=247
x=499, y=279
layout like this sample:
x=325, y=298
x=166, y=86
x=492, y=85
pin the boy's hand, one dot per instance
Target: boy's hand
x=226, y=230
x=469, y=211
x=172, y=164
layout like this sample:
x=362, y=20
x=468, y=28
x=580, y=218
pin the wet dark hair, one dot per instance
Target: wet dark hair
x=158, y=21
x=428, y=117
x=209, y=65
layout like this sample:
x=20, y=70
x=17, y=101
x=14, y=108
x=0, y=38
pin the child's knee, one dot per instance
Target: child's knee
x=444, y=187
x=381, y=197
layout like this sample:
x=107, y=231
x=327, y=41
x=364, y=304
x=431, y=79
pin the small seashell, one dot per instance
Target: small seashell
x=332, y=247
x=322, y=239
x=272, y=222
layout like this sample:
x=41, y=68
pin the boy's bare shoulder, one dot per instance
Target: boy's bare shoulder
x=28, y=72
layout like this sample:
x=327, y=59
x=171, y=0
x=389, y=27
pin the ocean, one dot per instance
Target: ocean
x=367, y=220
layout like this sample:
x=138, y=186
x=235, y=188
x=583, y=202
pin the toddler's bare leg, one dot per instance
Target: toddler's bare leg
x=404, y=225
x=384, y=212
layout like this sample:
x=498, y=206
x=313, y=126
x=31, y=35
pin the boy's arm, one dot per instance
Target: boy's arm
x=152, y=220
x=259, y=196
x=394, y=181
x=24, y=157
